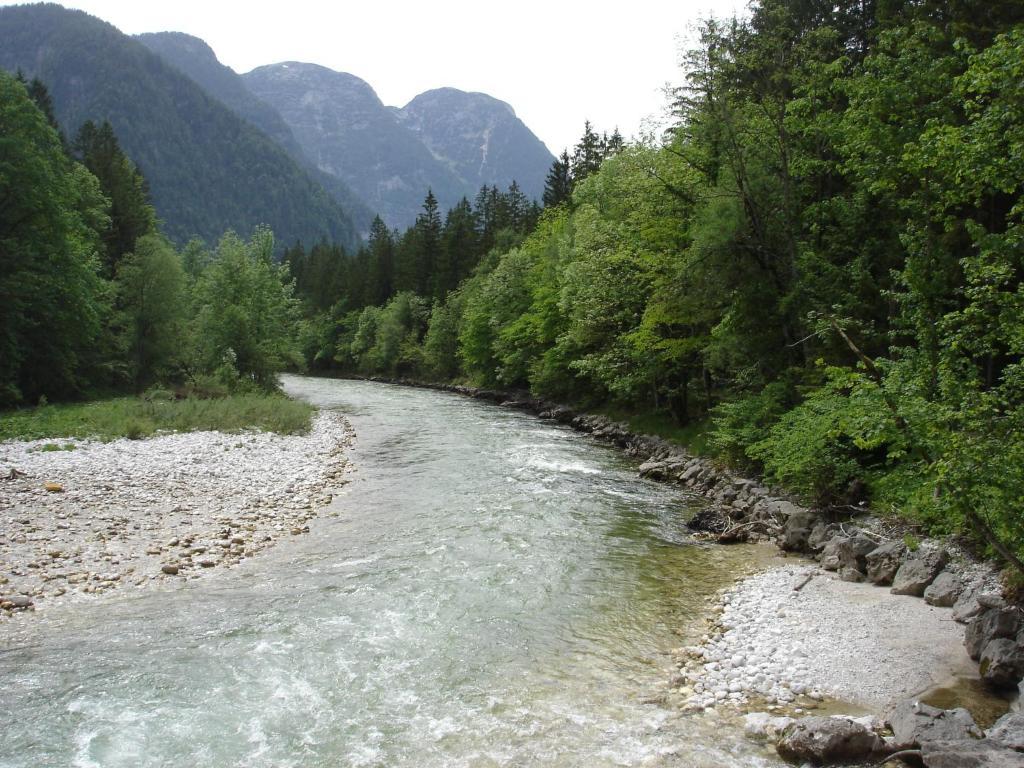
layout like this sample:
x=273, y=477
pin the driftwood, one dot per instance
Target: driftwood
x=804, y=583
x=911, y=753
x=738, y=533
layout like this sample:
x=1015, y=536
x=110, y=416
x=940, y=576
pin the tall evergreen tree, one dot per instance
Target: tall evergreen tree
x=558, y=184
x=131, y=215
x=588, y=154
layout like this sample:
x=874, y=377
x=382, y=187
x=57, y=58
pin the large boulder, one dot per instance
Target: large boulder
x=914, y=723
x=918, y=571
x=852, y=553
x=830, y=553
x=797, y=530
x=969, y=604
x=1008, y=731
x=820, y=535
x=990, y=625
x=828, y=740
x=944, y=591
x=1002, y=663
x=883, y=562
x=968, y=754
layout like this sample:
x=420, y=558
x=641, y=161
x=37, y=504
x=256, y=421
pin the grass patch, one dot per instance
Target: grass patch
x=693, y=436
x=138, y=417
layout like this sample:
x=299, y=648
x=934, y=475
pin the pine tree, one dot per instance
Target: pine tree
x=381, y=252
x=558, y=185
x=131, y=215
x=587, y=156
x=428, y=234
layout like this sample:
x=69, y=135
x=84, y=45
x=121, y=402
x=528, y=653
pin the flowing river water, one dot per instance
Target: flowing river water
x=488, y=590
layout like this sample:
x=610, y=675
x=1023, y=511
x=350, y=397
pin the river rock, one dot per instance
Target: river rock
x=968, y=605
x=968, y=754
x=828, y=740
x=19, y=601
x=708, y=520
x=991, y=624
x=764, y=726
x=918, y=571
x=914, y=723
x=830, y=553
x=797, y=531
x=1002, y=663
x=944, y=591
x=884, y=561
x=852, y=553
x=820, y=535
x=1008, y=731
x=169, y=569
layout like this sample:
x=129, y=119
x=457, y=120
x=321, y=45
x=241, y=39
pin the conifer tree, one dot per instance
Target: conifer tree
x=558, y=185
x=131, y=215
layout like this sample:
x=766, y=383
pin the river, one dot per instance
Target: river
x=488, y=590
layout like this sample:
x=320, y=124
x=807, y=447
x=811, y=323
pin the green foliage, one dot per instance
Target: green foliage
x=53, y=301
x=136, y=417
x=246, y=318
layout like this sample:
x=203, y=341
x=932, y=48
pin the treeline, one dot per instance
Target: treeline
x=93, y=298
x=821, y=264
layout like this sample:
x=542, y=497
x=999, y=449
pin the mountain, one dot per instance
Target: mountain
x=194, y=58
x=479, y=138
x=345, y=129
x=208, y=169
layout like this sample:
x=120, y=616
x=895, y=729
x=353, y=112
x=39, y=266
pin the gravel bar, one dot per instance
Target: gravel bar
x=106, y=516
x=851, y=643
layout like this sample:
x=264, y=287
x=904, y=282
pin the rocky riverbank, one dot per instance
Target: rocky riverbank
x=95, y=517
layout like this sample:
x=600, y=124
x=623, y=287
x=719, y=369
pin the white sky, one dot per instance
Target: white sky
x=557, y=63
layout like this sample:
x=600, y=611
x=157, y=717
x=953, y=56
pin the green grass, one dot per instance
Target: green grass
x=693, y=437
x=137, y=417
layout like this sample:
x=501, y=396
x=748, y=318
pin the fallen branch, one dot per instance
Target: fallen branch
x=804, y=583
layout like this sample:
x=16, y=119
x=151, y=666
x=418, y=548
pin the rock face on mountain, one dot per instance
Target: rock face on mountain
x=345, y=129
x=195, y=59
x=447, y=140
x=480, y=138
x=208, y=169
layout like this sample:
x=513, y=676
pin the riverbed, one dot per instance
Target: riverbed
x=487, y=590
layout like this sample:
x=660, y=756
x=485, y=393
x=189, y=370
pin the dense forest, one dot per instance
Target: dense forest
x=816, y=274
x=95, y=298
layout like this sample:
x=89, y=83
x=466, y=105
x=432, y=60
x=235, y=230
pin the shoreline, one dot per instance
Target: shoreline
x=126, y=514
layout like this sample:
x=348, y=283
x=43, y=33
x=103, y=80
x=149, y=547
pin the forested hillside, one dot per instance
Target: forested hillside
x=820, y=269
x=96, y=299
x=194, y=58
x=208, y=169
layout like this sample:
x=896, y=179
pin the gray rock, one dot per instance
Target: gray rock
x=820, y=535
x=830, y=553
x=170, y=570
x=968, y=754
x=19, y=601
x=991, y=600
x=918, y=571
x=944, y=591
x=1002, y=663
x=914, y=723
x=796, y=531
x=828, y=740
x=1008, y=731
x=991, y=624
x=967, y=606
x=853, y=554
x=850, y=574
x=884, y=561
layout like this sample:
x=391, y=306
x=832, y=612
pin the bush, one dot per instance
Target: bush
x=739, y=424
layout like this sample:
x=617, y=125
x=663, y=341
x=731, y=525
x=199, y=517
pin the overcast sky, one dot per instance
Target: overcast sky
x=557, y=63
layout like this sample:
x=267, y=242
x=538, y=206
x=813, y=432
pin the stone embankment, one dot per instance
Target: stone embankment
x=767, y=649
x=99, y=517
